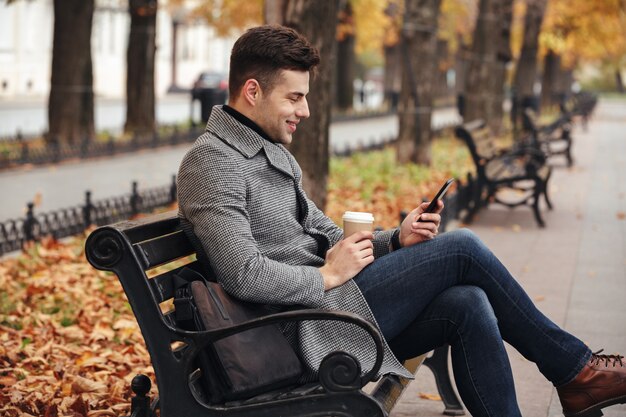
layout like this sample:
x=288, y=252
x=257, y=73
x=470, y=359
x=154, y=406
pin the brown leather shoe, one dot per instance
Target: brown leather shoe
x=601, y=383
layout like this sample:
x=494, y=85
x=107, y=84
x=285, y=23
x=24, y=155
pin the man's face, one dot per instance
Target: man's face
x=279, y=112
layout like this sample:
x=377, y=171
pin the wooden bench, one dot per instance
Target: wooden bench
x=521, y=170
x=131, y=248
x=554, y=138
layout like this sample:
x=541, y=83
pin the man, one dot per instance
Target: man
x=242, y=203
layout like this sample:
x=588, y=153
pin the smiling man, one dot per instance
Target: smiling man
x=242, y=204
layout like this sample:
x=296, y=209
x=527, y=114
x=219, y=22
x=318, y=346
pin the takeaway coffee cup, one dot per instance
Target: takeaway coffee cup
x=355, y=221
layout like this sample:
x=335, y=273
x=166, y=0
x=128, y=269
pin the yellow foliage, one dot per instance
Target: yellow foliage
x=583, y=30
x=228, y=16
x=371, y=24
x=456, y=22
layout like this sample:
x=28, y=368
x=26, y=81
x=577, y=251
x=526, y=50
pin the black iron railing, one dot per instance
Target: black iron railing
x=74, y=220
x=21, y=150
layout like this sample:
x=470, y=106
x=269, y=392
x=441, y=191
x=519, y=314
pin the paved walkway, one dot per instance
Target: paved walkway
x=574, y=268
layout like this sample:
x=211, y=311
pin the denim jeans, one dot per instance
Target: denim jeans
x=454, y=290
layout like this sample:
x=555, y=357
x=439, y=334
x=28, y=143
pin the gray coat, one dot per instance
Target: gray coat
x=242, y=203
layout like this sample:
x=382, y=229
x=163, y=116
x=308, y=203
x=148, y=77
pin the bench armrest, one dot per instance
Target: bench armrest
x=203, y=338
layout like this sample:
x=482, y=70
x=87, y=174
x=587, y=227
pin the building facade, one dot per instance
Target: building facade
x=26, y=31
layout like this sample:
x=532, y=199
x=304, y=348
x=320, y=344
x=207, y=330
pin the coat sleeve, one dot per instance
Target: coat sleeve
x=212, y=197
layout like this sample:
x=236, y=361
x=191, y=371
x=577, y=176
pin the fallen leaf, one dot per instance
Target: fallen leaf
x=7, y=381
x=540, y=298
x=621, y=215
x=81, y=385
x=428, y=396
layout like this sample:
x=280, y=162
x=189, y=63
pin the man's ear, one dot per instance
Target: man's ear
x=251, y=91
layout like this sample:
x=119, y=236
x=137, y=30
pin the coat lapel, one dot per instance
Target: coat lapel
x=247, y=141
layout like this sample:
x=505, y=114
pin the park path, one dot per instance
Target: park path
x=574, y=269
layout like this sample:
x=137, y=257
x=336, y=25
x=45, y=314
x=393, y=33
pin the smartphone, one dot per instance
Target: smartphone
x=442, y=191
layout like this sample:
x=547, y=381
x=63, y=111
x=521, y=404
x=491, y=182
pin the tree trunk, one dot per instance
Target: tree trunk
x=140, y=118
x=345, y=59
x=526, y=71
x=619, y=82
x=504, y=12
x=393, y=75
x=70, y=104
x=479, y=97
x=274, y=11
x=550, y=79
x=310, y=144
x=419, y=37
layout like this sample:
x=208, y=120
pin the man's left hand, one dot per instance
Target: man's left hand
x=413, y=231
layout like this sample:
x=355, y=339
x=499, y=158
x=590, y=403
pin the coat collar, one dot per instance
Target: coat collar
x=246, y=141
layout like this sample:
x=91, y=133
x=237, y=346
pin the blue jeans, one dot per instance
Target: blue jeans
x=454, y=290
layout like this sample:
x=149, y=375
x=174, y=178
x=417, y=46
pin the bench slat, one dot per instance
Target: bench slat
x=160, y=250
x=162, y=285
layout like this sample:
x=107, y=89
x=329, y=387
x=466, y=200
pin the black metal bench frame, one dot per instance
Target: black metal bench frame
x=521, y=168
x=130, y=248
x=554, y=138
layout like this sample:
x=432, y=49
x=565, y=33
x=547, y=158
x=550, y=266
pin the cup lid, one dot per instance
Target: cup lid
x=358, y=216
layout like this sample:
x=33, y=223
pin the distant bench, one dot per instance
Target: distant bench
x=555, y=138
x=521, y=169
x=130, y=248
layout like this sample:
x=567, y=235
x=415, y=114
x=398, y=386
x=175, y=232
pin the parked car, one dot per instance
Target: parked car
x=210, y=88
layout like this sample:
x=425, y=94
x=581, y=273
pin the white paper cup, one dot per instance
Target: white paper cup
x=355, y=221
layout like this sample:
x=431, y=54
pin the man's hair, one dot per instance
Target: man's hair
x=263, y=51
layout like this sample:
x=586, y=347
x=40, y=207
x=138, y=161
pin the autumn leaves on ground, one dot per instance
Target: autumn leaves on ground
x=69, y=343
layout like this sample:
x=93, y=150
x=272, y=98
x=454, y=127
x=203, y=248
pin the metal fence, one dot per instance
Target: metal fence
x=74, y=220
x=21, y=150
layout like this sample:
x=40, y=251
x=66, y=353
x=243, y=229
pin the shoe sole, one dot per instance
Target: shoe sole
x=596, y=410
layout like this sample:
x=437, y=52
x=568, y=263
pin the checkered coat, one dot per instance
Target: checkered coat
x=242, y=204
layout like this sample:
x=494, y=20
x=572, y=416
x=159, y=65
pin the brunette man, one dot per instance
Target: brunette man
x=242, y=203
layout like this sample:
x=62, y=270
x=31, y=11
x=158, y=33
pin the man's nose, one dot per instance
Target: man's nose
x=303, y=109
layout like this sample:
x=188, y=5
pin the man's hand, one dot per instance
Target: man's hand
x=347, y=258
x=413, y=231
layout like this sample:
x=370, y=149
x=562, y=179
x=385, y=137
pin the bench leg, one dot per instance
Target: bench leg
x=438, y=364
x=568, y=154
x=475, y=202
x=540, y=189
x=140, y=403
x=545, y=191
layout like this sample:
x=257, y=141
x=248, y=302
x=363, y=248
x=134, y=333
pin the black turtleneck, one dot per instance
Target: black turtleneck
x=246, y=121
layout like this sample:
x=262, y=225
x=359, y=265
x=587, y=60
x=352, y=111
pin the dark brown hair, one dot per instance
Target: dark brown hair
x=263, y=51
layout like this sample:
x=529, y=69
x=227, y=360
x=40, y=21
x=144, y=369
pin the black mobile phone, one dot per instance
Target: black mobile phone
x=442, y=191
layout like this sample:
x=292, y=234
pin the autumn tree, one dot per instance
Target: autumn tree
x=527, y=68
x=583, y=32
x=487, y=57
x=140, y=55
x=345, y=57
x=71, y=100
x=310, y=144
x=392, y=53
x=504, y=9
x=231, y=16
x=419, y=42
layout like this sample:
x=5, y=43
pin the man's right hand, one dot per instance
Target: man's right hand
x=347, y=258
